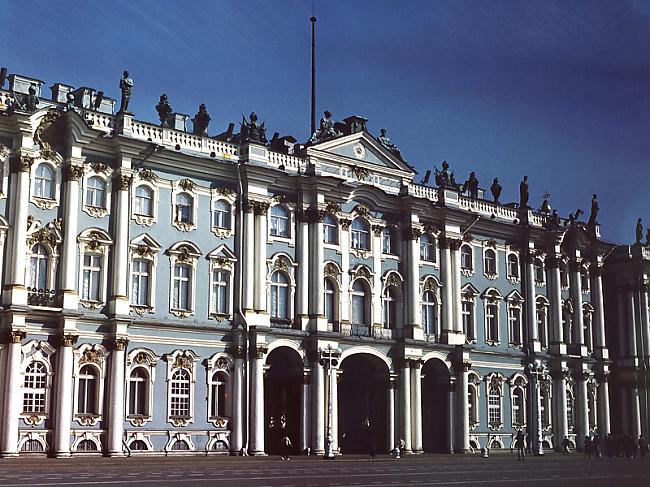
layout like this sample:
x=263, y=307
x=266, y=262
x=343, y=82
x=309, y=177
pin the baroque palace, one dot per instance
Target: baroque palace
x=167, y=292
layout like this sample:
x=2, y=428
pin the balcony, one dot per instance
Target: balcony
x=41, y=297
x=362, y=330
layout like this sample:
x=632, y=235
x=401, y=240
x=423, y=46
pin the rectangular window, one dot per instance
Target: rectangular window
x=468, y=320
x=182, y=283
x=514, y=319
x=140, y=279
x=494, y=407
x=358, y=310
x=219, y=295
x=92, y=271
x=492, y=322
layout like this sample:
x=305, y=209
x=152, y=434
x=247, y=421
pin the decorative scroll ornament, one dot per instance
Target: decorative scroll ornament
x=21, y=163
x=361, y=210
x=147, y=175
x=144, y=250
x=223, y=191
x=281, y=263
x=363, y=271
x=222, y=263
x=73, y=172
x=345, y=223
x=393, y=280
x=222, y=363
x=87, y=420
x=183, y=360
x=491, y=243
x=186, y=185
x=46, y=150
x=91, y=356
x=4, y=151
x=99, y=167
x=360, y=172
x=125, y=181
x=332, y=207
x=412, y=233
x=331, y=270
x=43, y=235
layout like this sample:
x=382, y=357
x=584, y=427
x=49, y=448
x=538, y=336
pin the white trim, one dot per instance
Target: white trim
x=95, y=357
x=183, y=253
x=145, y=220
x=94, y=241
x=186, y=360
x=145, y=359
x=190, y=190
x=103, y=173
x=40, y=202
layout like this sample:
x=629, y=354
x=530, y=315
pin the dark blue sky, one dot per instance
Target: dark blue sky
x=556, y=90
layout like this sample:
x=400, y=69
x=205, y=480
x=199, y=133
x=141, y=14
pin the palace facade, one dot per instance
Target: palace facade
x=165, y=292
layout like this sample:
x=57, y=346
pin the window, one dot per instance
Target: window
x=138, y=445
x=492, y=322
x=468, y=294
x=180, y=394
x=279, y=296
x=466, y=258
x=592, y=406
x=359, y=303
x=564, y=276
x=92, y=277
x=220, y=293
x=143, y=204
x=388, y=241
x=140, y=282
x=44, y=182
x=390, y=307
x=538, y=269
x=587, y=326
x=518, y=407
x=86, y=445
x=221, y=214
x=490, y=262
x=138, y=392
x=38, y=268
x=513, y=267
x=96, y=192
x=584, y=280
x=330, y=301
x=494, y=405
x=279, y=221
x=34, y=388
x=359, y=235
x=514, y=322
x=570, y=419
x=545, y=400
x=429, y=312
x=181, y=298
x=218, y=395
x=542, y=323
x=87, y=391
x=427, y=248
x=330, y=233
x=567, y=322
x=184, y=207
x=472, y=403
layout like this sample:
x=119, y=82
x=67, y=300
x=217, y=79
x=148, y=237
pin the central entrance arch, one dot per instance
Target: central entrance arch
x=282, y=385
x=435, y=407
x=363, y=404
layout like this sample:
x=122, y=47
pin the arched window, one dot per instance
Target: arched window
x=390, y=307
x=184, y=207
x=180, y=445
x=490, y=262
x=491, y=303
x=359, y=234
x=429, y=312
x=494, y=405
x=143, y=204
x=220, y=293
x=88, y=389
x=518, y=407
x=38, y=268
x=218, y=395
x=138, y=445
x=359, y=303
x=279, y=221
x=44, y=182
x=584, y=280
x=279, y=296
x=180, y=394
x=138, y=392
x=513, y=266
x=329, y=289
x=86, y=445
x=35, y=388
x=221, y=214
x=472, y=403
x=427, y=248
x=140, y=282
x=570, y=418
x=538, y=268
x=330, y=230
x=389, y=241
x=564, y=276
x=96, y=192
x=467, y=297
x=466, y=258
x=182, y=290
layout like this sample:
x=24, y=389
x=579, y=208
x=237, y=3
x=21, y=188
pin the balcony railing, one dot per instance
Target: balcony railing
x=362, y=330
x=40, y=297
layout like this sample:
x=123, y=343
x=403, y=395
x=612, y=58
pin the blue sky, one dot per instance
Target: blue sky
x=556, y=90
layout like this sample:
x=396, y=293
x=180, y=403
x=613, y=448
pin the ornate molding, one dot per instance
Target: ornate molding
x=73, y=172
x=95, y=211
x=187, y=184
x=87, y=420
x=360, y=172
x=261, y=207
x=68, y=339
x=377, y=230
x=345, y=223
x=16, y=336
x=124, y=182
x=412, y=233
x=361, y=210
x=147, y=175
x=332, y=207
x=99, y=167
x=454, y=243
x=46, y=150
x=21, y=163
x=281, y=263
x=261, y=350
x=184, y=360
x=331, y=270
x=224, y=191
x=120, y=344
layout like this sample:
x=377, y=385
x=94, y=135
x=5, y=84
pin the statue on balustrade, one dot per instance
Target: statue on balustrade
x=594, y=211
x=32, y=100
x=553, y=221
x=201, y=121
x=471, y=185
x=523, y=193
x=326, y=129
x=639, y=231
x=386, y=142
x=445, y=178
x=252, y=130
x=164, y=110
x=126, y=87
x=495, y=189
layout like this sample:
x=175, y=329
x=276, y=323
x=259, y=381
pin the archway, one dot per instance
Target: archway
x=435, y=407
x=282, y=384
x=363, y=395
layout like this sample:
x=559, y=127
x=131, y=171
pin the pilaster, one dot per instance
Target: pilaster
x=116, y=399
x=64, y=395
x=318, y=406
x=72, y=172
x=119, y=301
x=416, y=406
x=414, y=316
x=259, y=300
x=12, y=394
x=405, y=405
x=256, y=419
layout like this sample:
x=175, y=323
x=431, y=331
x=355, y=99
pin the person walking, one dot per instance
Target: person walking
x=566, y=443
x=520, y=445
x=596, y=445
x=285, y=446
x=589, y=446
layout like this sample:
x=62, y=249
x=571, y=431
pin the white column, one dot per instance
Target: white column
x=447, y=288
x=249, y=257
x=20, y=167
x=416, y=401
x=64, y=396
x=555, y=298
x=12, y=396
x=318, y=271
x=345, y=267
x=335, y=411
x=259, y=301
x=68, y=271
x=560, y=427
x=116, y=400
x=454, y=247
x=581, y=413
x=462, y=406
x=318, y=409
x=531, y=312
x=302, y=241
x=604, y=426
x=237, y=441
x=405, y=405
x=119, y=301
x=414, y=317
x=575, y=289
x=636, y=412
x=377, y=315
x=391, y=414
x=599, y=309
x=305, y=412
x=256, y=446
x=451, y=420
x=644, y=324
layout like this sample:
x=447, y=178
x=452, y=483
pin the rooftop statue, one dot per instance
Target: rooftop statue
x=647, y=237
x=164, y=110
x=444, y=178
x=546, y=207
x=32, y=99
x=471, y=185
x=252, y=130
x=386, y=142
x=126, y=86
x=495, y=189
x=326, y=129
x=639, y=231
x=523, y=193
x=594, y=211
x=201, y=121
x=553, y=221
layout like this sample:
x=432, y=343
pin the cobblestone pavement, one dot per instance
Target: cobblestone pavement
x=422, y=470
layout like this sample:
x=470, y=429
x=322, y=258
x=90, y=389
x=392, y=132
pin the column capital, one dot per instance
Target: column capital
x=260, y=207
x=249, y=206
x=414, y=363
x=454, y=243
x=68, y=339
x=73, y=172
x=553, y=261
x=596, y=268
x=306, y=378
x=377, y=230
x=124, y=181
x=575, y=264
x=237, y=351
x=120, y=344
x=345, y=223
x=21, y=163
x=260, y=350
x=16, y=336
x=413, y=233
